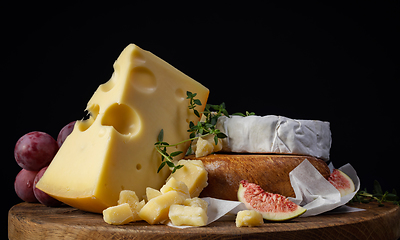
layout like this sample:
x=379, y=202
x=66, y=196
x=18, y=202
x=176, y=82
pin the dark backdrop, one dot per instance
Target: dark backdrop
x=336, y=63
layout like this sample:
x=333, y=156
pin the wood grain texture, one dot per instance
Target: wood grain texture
x=35, y=221
x=270, y=171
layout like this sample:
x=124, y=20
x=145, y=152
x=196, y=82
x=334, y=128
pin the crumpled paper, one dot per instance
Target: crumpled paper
x=315, y=193
x=312, y=191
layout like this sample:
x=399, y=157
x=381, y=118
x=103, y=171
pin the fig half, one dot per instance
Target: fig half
x=273, y=207
x=342, y=182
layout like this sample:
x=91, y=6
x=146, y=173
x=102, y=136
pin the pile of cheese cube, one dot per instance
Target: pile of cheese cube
x=177, y=201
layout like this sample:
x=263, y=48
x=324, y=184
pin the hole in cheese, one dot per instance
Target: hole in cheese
x=180, y=94
x=109, y=84
x=143, y=79
x=138, y=166
x=123, y=118
x=93, y=112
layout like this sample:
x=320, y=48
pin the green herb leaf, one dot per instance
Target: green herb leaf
x=391, y=197
x=160, y=137
x=174, y=154
x=216, y=139
x=161, y=166
x=221, y=135
x=191, y=124
x=170, y=164
x=377, y=188
x=190, y=95
x=196, y=113
x=225, y=112
x=189, y=151
x=239, y=114
x=197, y=101
x=179, y=166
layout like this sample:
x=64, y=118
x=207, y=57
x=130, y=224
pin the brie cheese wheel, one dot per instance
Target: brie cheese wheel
x=275, y=134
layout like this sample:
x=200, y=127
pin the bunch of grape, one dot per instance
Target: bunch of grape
x=33, y=152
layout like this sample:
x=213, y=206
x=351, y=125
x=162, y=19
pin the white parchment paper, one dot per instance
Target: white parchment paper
x=315, y=193
x=312, y=190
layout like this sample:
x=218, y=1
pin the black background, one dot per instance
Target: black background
x=330, y=62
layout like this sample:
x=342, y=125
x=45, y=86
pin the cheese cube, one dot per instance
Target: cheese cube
x=175, y=185
x=206, y=145
x=152, y=193
x=113, y=150
x=128, y=196
x=203, y=147
x=193, y=174
x=249, y=218
x=118, y=215
x=156, y=210
x=187, y=215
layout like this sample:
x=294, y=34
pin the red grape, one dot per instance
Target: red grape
x=41, y=196
x=35, y=150
x=65, y=131
x=23, y=185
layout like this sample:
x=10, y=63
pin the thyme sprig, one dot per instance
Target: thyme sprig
x=244, y=115
x=161, y=148
x=193, y=102
x=201, y=129
x=206, y=128
x=362, y=196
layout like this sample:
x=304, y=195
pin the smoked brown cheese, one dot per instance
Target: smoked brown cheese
x=270, y=171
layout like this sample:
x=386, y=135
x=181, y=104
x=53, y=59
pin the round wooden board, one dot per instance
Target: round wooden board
x=35, y=221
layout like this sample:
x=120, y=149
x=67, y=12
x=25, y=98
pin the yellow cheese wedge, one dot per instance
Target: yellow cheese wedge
x=118, y=215
x=249, y=218
x=193, y=174
x=113, y=150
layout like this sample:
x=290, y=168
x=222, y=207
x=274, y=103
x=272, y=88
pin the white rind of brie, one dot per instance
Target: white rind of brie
x=275, y=134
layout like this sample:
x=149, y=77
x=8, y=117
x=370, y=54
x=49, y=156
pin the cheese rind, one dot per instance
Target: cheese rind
x=113, y=150
x=275, y=134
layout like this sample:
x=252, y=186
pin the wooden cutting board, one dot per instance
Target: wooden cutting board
x=35, y=221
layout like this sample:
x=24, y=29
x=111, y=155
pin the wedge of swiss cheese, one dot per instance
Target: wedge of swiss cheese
x=113, y=150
